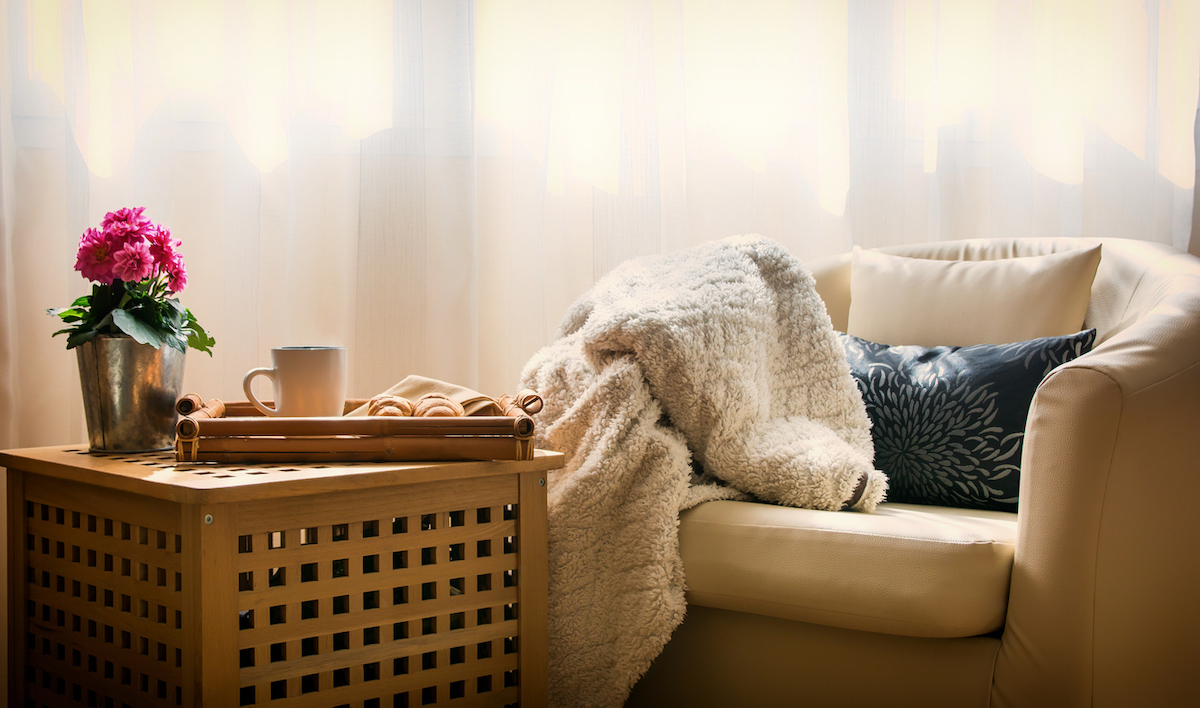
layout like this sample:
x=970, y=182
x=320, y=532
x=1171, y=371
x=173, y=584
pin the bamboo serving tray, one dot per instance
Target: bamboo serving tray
x=238, y=433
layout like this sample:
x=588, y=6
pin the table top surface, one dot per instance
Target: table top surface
x=157, y=474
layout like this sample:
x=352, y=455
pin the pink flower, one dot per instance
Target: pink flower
x=162, y=248
x=133, y=262
x=177, y=276
x=126, y=224
x=95, y=257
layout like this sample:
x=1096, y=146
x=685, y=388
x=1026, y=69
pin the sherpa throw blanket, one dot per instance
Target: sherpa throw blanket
x=709, y=373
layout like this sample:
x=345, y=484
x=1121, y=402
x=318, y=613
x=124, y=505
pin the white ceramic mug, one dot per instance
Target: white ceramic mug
x=308, y=381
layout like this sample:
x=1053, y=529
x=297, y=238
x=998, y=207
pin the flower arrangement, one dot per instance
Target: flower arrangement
x=136, y=269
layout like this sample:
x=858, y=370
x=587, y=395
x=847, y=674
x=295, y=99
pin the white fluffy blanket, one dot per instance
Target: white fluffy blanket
x=721, y=354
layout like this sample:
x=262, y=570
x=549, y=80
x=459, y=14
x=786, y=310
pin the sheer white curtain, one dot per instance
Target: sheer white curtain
x=432, y=183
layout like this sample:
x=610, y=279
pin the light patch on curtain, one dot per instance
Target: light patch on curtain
x=548, y=75
x=1051, y=73
x=260, y=64
x=758, y=84
x=769, y=84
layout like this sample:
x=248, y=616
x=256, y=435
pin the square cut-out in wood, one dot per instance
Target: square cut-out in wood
x=310, y=646
x=310, y=683
x=340, y=568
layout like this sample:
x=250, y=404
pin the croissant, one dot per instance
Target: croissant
x=384, y=404
x=435, y=405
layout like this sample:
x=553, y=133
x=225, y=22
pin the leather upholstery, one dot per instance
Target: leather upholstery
x=921, y=571
x=734, y=659
x=1102, y=607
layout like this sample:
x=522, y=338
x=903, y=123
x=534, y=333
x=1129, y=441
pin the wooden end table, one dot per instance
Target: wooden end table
x=134, y=580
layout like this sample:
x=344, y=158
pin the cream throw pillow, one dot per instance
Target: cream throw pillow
x=896, y=300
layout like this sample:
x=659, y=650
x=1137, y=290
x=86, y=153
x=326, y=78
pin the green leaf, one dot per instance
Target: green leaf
x=141, y=332
x=104, y=298
x=105, y=325
x=67, y=312
x=80, y=337
x=198, y=339
x=176, y=343
x=83, y=301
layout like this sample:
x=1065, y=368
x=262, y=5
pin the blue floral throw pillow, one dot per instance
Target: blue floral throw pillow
x=948, y=422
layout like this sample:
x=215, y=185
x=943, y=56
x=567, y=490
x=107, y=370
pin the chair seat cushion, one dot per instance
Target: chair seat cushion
x=912, y=570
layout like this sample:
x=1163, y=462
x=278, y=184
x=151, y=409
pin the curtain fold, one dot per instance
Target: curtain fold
x=432, y=183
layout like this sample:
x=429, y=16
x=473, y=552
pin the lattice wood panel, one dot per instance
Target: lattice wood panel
x=135, y=581
x=104, y=610
x=394, y=598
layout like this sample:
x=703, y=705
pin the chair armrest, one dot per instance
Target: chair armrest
x=1102, y=607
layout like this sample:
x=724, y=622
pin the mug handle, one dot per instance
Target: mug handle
x=262, y=371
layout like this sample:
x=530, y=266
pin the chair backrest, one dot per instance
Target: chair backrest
x=1133, y=277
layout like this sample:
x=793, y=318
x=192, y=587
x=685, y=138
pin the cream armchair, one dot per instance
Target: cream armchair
x=1088, y=596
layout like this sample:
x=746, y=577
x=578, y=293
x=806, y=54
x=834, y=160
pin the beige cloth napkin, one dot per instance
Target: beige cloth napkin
x=413, y=387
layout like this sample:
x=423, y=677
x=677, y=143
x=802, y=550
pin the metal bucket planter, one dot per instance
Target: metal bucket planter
x=129, y=393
